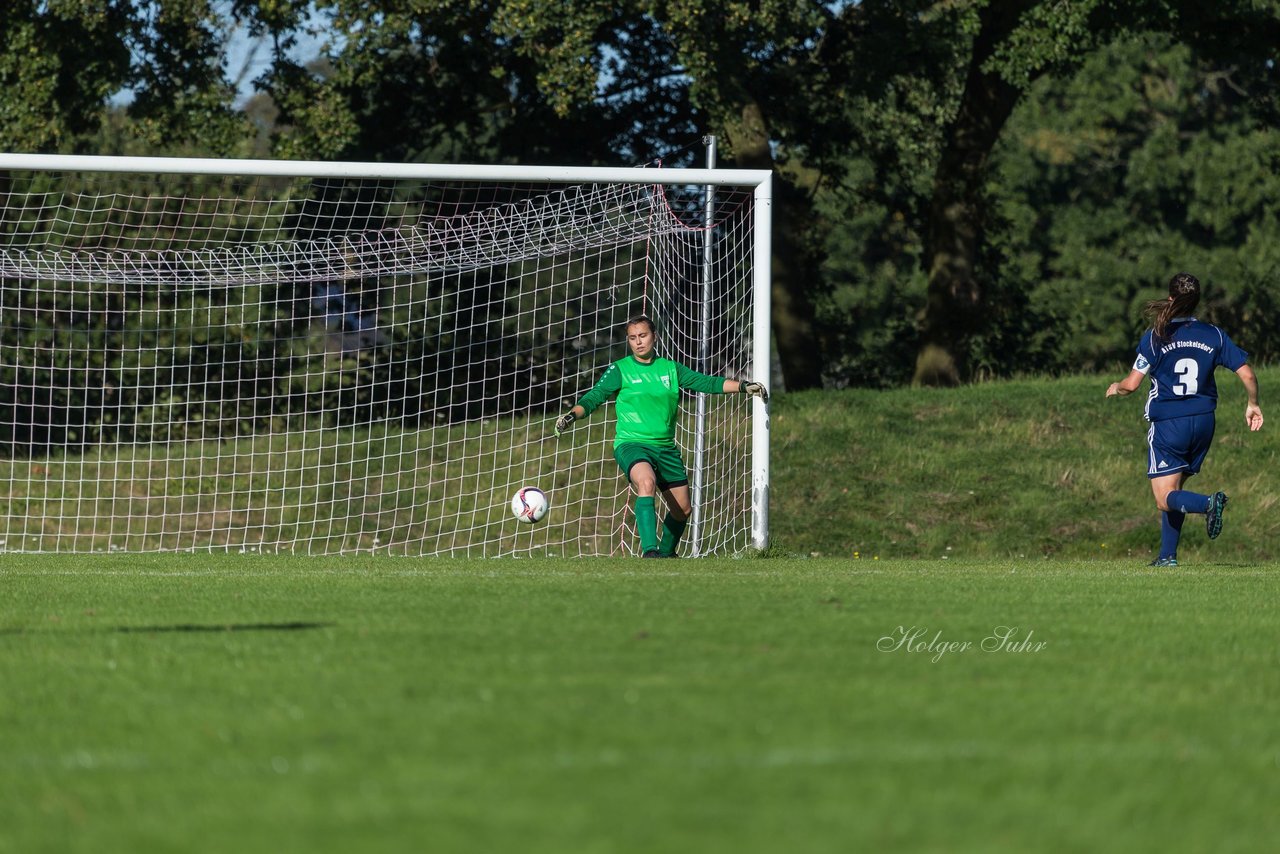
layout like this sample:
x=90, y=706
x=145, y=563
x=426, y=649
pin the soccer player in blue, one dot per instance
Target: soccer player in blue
x=1179, y=354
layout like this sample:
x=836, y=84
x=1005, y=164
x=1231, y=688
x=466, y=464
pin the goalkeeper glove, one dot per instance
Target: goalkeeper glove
x=755, y=388
x=563, y=422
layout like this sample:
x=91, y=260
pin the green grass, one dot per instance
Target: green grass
x=1009, y=470
x=253, y=703
x=1037, y=468
x=385, y=488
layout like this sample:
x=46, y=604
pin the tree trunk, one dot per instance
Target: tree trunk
x=793, y=267
x=954, y=311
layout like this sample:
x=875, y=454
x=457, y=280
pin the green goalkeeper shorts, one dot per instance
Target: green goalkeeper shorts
x=665, y=461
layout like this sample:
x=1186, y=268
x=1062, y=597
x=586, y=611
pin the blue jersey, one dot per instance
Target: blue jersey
x=1180, y=367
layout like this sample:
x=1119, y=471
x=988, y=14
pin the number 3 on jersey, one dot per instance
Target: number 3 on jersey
x=1189, y=372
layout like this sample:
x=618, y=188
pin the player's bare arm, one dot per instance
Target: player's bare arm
x=1128, y=385
x=1252, y=411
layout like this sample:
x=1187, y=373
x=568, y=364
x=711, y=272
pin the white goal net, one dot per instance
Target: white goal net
x=267, y=356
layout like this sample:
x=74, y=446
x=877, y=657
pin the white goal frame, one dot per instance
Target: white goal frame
x=759, y=183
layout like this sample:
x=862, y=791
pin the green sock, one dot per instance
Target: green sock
x=647, y=524
x=672, y=531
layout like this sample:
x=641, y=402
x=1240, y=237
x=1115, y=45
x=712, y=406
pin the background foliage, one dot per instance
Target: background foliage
x=1002, y=185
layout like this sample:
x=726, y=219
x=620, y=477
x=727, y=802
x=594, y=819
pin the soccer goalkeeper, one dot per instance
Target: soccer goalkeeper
x=648, y=402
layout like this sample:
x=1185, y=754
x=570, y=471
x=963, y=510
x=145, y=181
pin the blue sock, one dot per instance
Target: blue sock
x=1170, y=532
x=1185, y=501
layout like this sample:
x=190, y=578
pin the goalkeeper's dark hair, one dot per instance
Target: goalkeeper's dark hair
x=636, y=320
x=1184, y=296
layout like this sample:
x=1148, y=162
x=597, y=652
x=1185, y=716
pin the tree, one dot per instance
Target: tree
x=957, y=215
x=59, y=63
x=449, y=80
x=1016, y=43
x=882, y=120
x=178, y=76
x=66, y=66
x=744, y=66
x=584, y=81
x=1149, y=160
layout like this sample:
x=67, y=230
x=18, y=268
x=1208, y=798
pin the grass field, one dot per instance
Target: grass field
x=250, y=703
x=1034, y=469
x=1027, y=469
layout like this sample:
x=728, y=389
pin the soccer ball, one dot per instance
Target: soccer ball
x=529, y=504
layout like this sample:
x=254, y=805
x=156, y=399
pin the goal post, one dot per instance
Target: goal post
x=326, y=358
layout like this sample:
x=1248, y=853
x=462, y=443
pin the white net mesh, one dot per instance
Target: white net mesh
x=193, y=362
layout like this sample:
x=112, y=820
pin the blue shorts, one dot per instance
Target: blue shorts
x=1178, y=444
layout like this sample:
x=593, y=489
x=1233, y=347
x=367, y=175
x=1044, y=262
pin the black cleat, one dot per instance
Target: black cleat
x=1164, y=561
x=652, y=553
x=1213, y=518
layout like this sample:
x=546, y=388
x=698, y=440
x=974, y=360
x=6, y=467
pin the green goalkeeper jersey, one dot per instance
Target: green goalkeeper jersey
x=648, y=397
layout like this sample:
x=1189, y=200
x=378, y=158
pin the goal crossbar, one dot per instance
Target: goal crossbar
x=422, y=171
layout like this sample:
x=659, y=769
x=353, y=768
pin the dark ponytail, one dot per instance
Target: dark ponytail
x=1184, y=293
